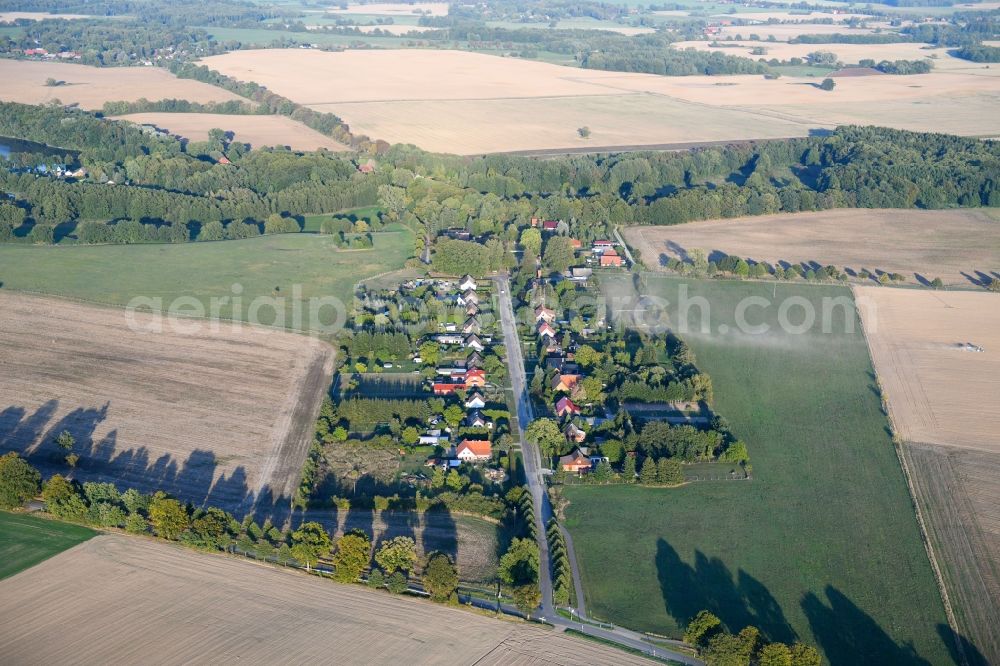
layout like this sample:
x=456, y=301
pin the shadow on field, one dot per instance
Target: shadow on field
x=848, y=635
x=193, y=480
x=961, y=648
x=710, y=585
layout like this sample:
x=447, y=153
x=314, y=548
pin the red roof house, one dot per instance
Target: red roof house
x=447, y=389
x=575, y=462
x=565, y=407
x=474, y=450
x=611, y=258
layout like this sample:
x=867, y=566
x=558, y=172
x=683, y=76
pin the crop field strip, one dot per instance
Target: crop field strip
x=223, y=418
x=152, y=601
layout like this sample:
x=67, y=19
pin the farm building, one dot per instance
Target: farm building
x=449, y=339
x=432, y=438
x=575, y=462
x=474, y=450
x=447, y=389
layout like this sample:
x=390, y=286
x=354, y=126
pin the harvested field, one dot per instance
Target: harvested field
x=394, y=9
x=219, y=417
x=468, y=103
x=955, y=245
x=91, y=87
x=939, y=392
x=785, y=31
x=958, y=491
x=256, y=130
x=217, y=609
x=10, y=17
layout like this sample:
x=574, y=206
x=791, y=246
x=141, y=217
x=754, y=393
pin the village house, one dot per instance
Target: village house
x=563, y=364
x=475, y=419
x=543, y=313
x=550, y=225
x=474, y=450
x=575, y=434
x=471, y=325
x=472, y=309
x=475, y=378
x=472, y=341
x=474, y=360
x=467, y=282
x=467, y=297
x=611, y=258
x=575, y=462
x=545, y=330
x=565, y=383
x=600, y=246
x=565, y=407
x=475, y=401
x=447, y=389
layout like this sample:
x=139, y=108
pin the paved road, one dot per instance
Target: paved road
x=543, y=509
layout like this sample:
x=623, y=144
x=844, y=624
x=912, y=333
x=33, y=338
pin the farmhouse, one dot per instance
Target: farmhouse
x=467, y=283
x=565, y=383
x=575, y=462
x=565, y=407
x=475, y=401
x=474, y=450
x=611, y=258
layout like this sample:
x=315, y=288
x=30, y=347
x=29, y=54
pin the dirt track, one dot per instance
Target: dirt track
x=116, y=599
x=223, y=418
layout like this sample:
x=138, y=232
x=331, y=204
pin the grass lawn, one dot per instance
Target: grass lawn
x=821, y=545
x=290, y=267
x=264, y=37
x=26, y=540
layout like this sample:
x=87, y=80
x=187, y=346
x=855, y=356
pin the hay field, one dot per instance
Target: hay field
x=145, y=601
x=931, y=244
x=468, y=103
x=91, y=87
x=218, y=417
x=938, y=393
x=256, y=130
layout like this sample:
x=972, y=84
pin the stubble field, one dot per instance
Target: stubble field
x=959, y=246
x=223, y=418
x=945, y=404
x=91, y=87
x=468, y=103
x=256, y=130
x=116, y=598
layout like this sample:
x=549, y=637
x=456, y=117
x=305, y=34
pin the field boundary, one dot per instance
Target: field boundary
x=914, y=499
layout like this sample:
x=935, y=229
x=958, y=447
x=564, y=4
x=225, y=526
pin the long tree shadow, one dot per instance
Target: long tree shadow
x=961, y=648
x=195, y=480
x=848, y=635
x=709, y=585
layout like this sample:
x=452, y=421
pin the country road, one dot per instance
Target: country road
x=543, y=508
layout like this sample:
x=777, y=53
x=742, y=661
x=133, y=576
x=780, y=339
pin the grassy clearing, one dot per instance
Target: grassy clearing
x=312, y=223
x=26, y=540
x=263, y=37
x=291, y=267
x=822, y=545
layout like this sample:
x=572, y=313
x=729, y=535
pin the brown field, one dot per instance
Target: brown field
x=91, y=87
x=938, y=393
x=468, y=103
x=116, y=599
x=785, y=31
x=10, y=17
x=394, y=8
x=849, y=53
x=255, y=130
x=957, y=491
x=222, y=418
x=955, y=245
x=945, y=404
